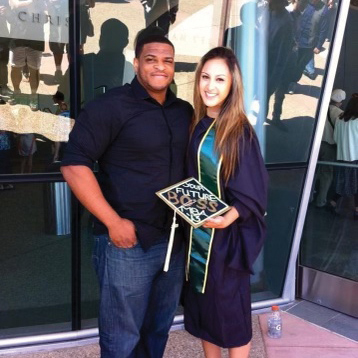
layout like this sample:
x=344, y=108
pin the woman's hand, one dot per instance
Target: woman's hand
x=218, y=222
x=221, y=222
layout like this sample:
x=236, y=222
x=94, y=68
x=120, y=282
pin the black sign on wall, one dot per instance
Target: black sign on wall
x=193, y=201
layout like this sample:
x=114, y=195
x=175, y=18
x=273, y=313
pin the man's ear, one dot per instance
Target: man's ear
x=135, y=64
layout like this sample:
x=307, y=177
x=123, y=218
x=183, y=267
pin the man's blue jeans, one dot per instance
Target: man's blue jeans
x=137, y=299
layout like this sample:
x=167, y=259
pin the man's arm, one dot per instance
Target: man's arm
x=85, y=186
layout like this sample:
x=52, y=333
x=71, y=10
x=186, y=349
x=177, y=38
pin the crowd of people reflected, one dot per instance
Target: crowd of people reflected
x=297, y=32
x=288, y=38
x=329, y=243
x=33, y=88
x=337, y=176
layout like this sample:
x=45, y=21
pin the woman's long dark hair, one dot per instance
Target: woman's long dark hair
x=351, y=111
x=232, y=120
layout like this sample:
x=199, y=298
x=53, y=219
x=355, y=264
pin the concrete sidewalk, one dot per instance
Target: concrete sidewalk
x=301, y=339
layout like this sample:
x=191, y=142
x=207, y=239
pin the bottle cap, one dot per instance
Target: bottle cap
x=275, y=308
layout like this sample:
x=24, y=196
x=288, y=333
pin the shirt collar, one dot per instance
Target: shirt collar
x=141, y=92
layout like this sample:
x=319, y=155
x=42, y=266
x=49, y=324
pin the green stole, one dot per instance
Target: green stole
x=201, y=239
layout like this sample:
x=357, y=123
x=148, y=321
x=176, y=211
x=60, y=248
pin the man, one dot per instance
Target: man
x=138, y=133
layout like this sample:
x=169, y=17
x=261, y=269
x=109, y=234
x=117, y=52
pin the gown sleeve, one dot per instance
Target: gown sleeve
x=247, y=192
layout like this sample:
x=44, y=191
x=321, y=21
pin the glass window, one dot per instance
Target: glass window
x=35, y=259
x=283, y=53
x=283, y=203
x=89, y=284
x=34, y=77
x=108, y=31
x=329, y=240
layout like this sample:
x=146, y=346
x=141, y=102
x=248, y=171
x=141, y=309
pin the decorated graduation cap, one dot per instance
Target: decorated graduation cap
x=194, y=203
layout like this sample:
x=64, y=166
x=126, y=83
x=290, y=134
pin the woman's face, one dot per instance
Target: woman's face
x=215, y=84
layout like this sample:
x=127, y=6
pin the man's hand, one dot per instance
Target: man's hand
x=87, y=190
x=316, y=50
x=122, y=233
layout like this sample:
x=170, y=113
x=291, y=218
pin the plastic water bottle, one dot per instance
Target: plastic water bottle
x=274, y=323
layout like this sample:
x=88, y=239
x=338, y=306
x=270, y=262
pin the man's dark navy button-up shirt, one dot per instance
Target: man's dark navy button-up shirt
x=140, y=147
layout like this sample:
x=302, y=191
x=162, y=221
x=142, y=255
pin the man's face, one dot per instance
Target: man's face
x=155, y=67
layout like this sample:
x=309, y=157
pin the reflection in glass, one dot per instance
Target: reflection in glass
x=33, y=67
x=277, y=47
x=89, y=283
x=35, y=260
x=161, y=13
x=328, y=148
x=107, y=56
x=193, y=27
x=329, y=241
x=270, y=267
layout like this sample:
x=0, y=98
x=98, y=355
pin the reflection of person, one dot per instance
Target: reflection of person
x=327, y=151
x=4, y=49
x=310, y=70
x=62, y=110
x=311, y=36
x=346, y=137
x=280, y=45
x=23, y=51
x=160, y=13
x=86, y=27
x=5, y=148
x=58, y=36
x=138, y=133
x=224, y=155
x=295, y=10
x=108, y=68
x=27, y=148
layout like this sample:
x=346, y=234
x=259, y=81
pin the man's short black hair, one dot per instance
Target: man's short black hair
x=150, y=35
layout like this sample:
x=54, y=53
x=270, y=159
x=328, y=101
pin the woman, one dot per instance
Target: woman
x=224, y=155
x=346, y=137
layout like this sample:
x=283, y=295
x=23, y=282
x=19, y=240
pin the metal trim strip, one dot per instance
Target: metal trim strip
x=289, y=289
x=326, y=289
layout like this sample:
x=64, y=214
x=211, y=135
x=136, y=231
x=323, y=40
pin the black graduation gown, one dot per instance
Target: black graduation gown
x=222, y=315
